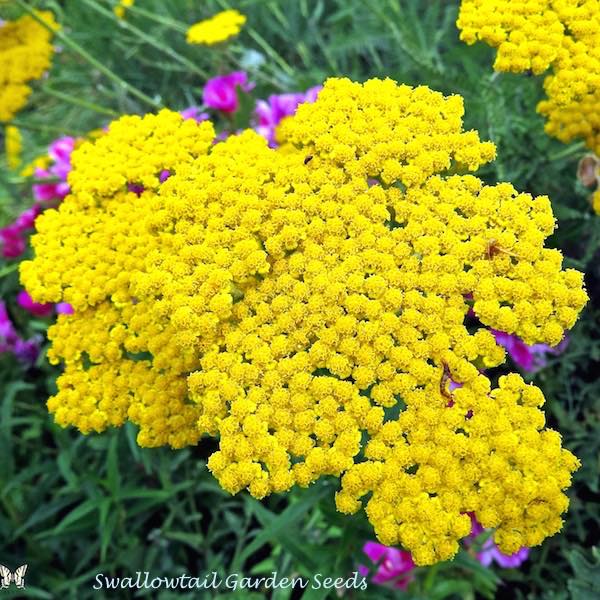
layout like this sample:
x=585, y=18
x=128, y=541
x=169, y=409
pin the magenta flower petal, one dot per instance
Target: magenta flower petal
x=46, y=192
x=60, y=152
x=62, y=189
x=454, y=385
x=311, y=93
x=264, y=113
x=220, y=92
x=485, y=557
x=12, y=236
x=13, y=243
x=61, y=148
x=27, y=218
x=363, y=571
x=64, y=308
x=529, y=358
x=511, y=561
x=402, y=561
x=522, y=356
x=375, y=551
x=25, y=301
x=193, y=112
x=7, y=331
x=490, y=552
x=393, y=565
x=25, y=350
x=270, y=112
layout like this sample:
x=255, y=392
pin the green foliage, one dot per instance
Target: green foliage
x=74, y=506
x=587, y=575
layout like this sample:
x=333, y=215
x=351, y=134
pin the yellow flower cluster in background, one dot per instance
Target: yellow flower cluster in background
x=122, y=7
x=13, y=144
x=536, y=35
x=218, y=28
x=25, y=54
x=595, y=201
x=308, y=306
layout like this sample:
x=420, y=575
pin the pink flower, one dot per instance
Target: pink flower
x=27, y=218
x=221, y=92
x=270, y=112
x=25, y=350
x=12, y=237
x=529, y=358
x=60, y=152
x=490, y=552
x=393, y=565
x=13, y=242
x=25, y=301
x=506, y=561
x=48, y=191
x=193, y=112
x=55, y=188
x=64, y=308
x=7, y=331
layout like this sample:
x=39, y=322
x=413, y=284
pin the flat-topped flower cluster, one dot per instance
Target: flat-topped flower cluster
x=537, y=35
x=308, y=304
x=218, y=28
x=25, y=54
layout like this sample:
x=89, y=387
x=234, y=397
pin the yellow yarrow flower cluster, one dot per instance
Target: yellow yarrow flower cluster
x=314, y=320
x=13, y=145
x=540, y=34
x=25, y=54
x=218, y=28
x=118, y=361
x=122, y=7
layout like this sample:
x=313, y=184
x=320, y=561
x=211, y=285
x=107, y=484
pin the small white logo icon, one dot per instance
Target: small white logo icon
x=18, y=577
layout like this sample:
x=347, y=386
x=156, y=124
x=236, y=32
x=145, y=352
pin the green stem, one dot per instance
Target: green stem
x=574, y=149
x=400, y=27
x=160, y=19
x=148, y=39
x=234, y=48
x=430, y=578
x=271, y=52
x=43, y=128
x=79, y=102
x=67, y=41
x=8, y=270
x=10, y=511
x=266, y=47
